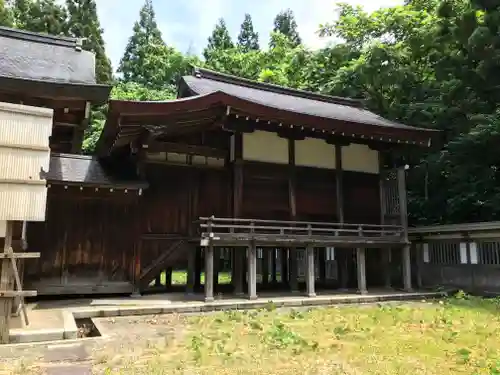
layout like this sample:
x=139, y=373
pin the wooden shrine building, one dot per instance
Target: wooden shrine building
x=241, y=168
x=278, y=187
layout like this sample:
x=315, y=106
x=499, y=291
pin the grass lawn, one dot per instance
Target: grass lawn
x=459, y=335
x=180, y=278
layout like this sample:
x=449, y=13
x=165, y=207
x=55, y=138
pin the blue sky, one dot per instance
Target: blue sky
x=186, y=24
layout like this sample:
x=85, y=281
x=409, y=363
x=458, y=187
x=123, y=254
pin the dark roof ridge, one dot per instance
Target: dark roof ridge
x=231, y=79
x=62, y=41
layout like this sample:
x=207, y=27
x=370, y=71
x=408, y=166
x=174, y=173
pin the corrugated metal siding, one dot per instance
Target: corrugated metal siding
x=22, y=125
x=24, y=154
x=22, y=202
x=19, y=164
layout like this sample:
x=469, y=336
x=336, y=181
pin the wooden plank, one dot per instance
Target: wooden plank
x=17, y=293
x=6, y=284
x=19, y=255
x=19, y=285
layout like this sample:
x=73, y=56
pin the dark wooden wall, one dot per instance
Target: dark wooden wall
x=98, y=235
x=86, y=234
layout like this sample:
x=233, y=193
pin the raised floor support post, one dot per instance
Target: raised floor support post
x=387, y=255
x=310, y=277
x=198, y=269
x=238, y=275
x=284, y=266
x=209, y=273
x=294, y=274
x=406, y=259
x=265, y=265
x=361, y=269
x=252, y=271
x=274, y=266
x=191, y=271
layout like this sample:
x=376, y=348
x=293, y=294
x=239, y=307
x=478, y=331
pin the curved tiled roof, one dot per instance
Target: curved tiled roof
x=205, y=81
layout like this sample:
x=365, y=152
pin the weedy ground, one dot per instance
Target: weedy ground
x=459, y=335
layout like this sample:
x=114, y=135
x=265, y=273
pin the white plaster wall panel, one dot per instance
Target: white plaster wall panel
x=313, y=152
x=22, y=125
x=360, y=158
x=265, y=147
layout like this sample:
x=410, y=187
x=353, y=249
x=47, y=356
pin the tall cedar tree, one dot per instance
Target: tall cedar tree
x=146, y=34
x=42, y=16
x=5, y=15
x=248, y=39
x=219, y=40
x=285, y=24
x=84, y=23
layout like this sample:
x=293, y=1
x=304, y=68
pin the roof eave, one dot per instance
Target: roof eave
x=95, y=93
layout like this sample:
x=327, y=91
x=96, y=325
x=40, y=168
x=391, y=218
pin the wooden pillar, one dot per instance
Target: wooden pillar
x=322, y=265
x=361, y=270
x=339, y=182
x=403, y=211
x=168, y=278
x=294, y=274
x=191, y=271
x=406, y=259
x=387, y=255
x=209, y=273
x=198, y=269
x=284, y=266
x=252, y=271
x=265, y=265
x=274, y=271
x=342, y=254
x=310, y=277
x=217, y=256
x=239, y=270
x=6, y=284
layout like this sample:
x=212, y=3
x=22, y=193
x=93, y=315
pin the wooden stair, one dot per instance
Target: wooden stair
x=177, y=250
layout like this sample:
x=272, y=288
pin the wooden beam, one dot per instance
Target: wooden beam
x=19, y=255
x=157, y=146
x=6, y=285
x=8, y=294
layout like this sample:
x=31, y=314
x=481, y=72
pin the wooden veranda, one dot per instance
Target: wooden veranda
x=250, y=234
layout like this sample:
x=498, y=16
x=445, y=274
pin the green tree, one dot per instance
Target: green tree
x=248, y=39
x=220, y=40
x=146, y=38
x=285, y=24
x=83, y=22
x=6, y=17
x=43, y=16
